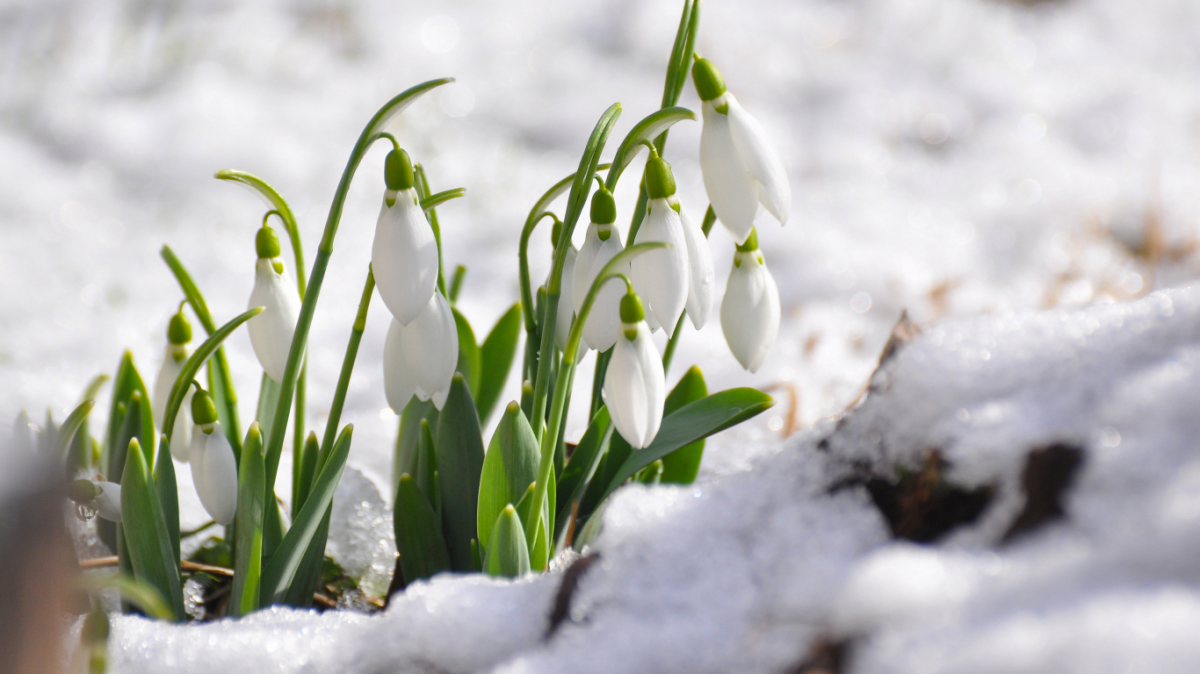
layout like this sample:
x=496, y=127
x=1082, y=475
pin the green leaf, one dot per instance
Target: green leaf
x=125, y=384
x=497, y=354
x=693, y=422
x=469, y=360
x=654, y=124
x=460, y=464
x=509, y=467
x=132, y=427
x=168, y=495
x=268, y=396
x=426, y=469
x=418, y=531
x=192, y=365
x=74, y=420
x=308, y=575
x=508, y=556
x=146, y=535
x=409, y=437
x=307, y=472
x=132, y=590
x=281, y=570
x=248, y=526
x=278, y=204
x=221, y=381
x=682, y=465
x=582, y=466
x=651, y=474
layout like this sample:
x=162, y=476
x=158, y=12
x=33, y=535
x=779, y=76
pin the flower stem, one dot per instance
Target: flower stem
x=423, y=193
x=343, y=384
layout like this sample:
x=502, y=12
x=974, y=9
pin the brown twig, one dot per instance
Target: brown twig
x=105, y=562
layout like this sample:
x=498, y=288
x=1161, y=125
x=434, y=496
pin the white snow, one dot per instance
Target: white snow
x=998, y=170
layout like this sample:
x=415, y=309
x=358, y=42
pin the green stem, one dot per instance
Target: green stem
x=343, y=384
x=562, y=388
x=423, y=193
x=369, y=134
x=588, y=165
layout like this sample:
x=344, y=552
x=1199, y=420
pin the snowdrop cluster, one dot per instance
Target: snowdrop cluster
x=421, y=351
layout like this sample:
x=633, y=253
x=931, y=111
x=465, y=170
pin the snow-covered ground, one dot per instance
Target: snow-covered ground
x=988, y=166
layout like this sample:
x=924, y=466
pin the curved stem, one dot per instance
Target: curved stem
x=343, y=384
x=549, y=438
x=317, y=277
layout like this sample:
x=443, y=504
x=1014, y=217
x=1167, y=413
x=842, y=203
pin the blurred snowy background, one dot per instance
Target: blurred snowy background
x=948, y=157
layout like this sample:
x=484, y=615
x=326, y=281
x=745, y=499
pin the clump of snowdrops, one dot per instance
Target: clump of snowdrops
x=505, y=511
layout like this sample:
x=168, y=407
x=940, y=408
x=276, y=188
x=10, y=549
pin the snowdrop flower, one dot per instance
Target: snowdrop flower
x=601, y=244
x=661, y=275
x=702, y=280
x=214, y=469
x=271, y=331
x=179, y=333
x=750, y=310
x=739, y=164
x=562, y=319
x=420, y=358
x=103, y=498
x=404, y=256
x=634, y=386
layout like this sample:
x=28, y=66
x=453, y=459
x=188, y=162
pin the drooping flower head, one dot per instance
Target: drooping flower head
x=271, y=331
x=404, y=255
x=104, y=498
x=634, y=386
x=179, y=333
x=214, y=468
x=661, y=275
x=601, y=244
x=740, y=165
x=750, y=310
x=420, y=358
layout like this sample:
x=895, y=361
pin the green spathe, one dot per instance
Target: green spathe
x=508, y=556
x=660, y=182
x=509, y=468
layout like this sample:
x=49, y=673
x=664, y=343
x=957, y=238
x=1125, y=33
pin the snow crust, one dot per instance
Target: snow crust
x=999, y=171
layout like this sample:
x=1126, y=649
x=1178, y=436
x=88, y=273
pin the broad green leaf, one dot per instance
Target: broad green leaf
x=268, y=396
x=508, y=556
x=146, y=535
x=168, y=494
x=582, y=466
x=409, y=436
x=281, y=570
x=308, y=576
x=418, y=531
x=192, y=365
x=469, y=360
x=593, y=497
x=693, y=422
x=650, y=127
x=220, y=380
x=79, y=452
x=539, y=551
x=460, y=463
x=682, y=465
x=651, y=474
x=248, y=527
x=124, y=384
x=131, y=428
x=497, y=355
x=509, y=467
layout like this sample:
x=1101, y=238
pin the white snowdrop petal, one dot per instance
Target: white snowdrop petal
x=634, y=388
x=604, y=319
x=702, y=279
x=581, y=276
x=661, y=276
x=759, y=157
x=404, y=257
x=108, y=502
x=271, y=331
x=182, y=432
x=430, y=347
x=399, y=381
x=750, y=311
x=562, y=319
x=728, y=183
x=214, y=470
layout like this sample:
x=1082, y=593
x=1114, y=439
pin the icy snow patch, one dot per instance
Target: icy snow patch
x=361, y=538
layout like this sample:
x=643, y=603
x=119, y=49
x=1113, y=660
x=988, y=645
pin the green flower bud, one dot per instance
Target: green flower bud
x=751, y=243
x=203, y=410
x=82, y=491
x=604, y=207
x=266, y=243
x=631, y=309
x=95, y=627
x=708, y=80
x=660, y=183
x=179, y=330
x=398, y=170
